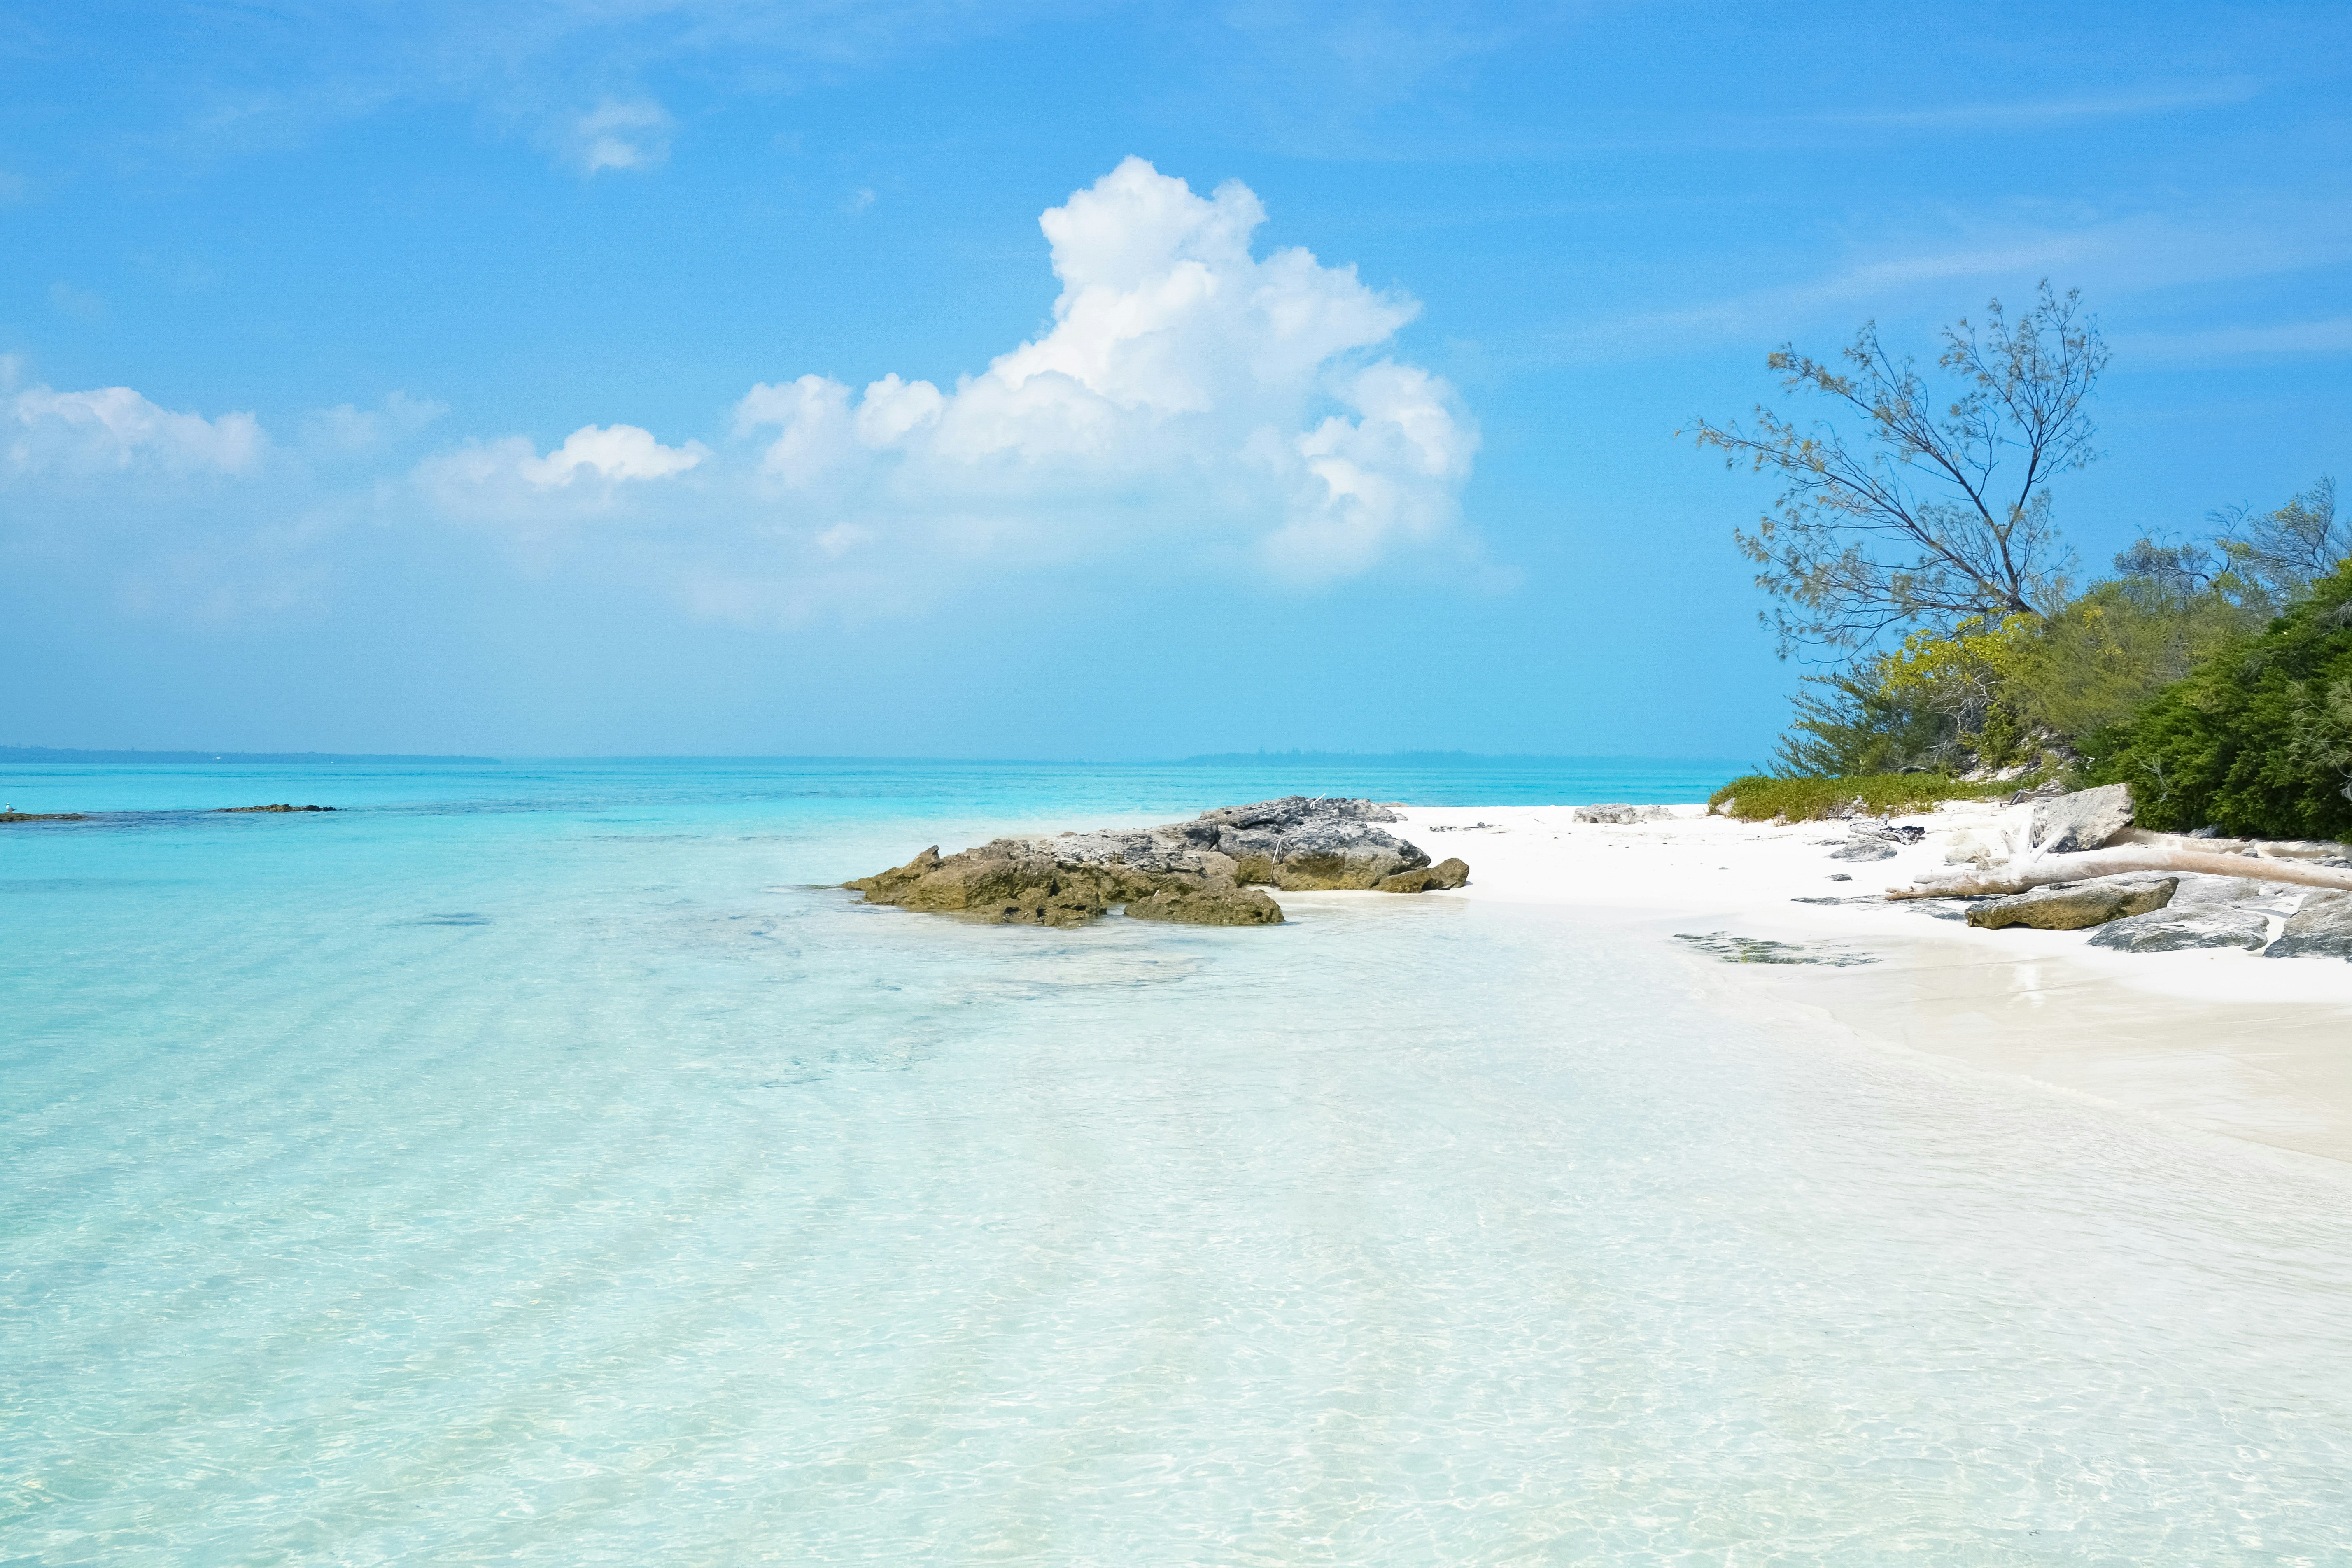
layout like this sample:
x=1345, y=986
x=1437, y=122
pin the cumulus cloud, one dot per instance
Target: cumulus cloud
x=1187, y=399
x=508, y=480
x=113, y=428
x=620, y=133
x=1185, y=387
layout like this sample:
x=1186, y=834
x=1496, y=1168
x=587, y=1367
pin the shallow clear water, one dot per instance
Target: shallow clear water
x=528, y=1164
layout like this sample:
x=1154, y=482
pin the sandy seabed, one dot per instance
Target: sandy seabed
x=2221, y=1041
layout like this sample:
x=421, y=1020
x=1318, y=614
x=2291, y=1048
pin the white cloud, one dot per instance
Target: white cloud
x=345, y=430
x=507, y=480
x=44, y=431
x=620, y=452
x=621, y=133
x=2332, y=336
x=1227, y=414
x=1186, y=389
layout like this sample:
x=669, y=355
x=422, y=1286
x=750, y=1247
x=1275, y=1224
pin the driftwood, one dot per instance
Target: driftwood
x=2041, y=870
x=2267, y=848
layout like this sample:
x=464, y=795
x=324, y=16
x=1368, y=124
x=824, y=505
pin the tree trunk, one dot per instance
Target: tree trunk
x=2020, y=875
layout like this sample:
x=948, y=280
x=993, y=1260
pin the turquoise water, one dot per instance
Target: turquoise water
x=528, y=1164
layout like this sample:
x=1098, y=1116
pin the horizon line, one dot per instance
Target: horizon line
x=135, y=756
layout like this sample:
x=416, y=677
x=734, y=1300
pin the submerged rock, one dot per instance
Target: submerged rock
x=2322, y=928
x=2071, y=906
x=236, y=810
x=2084, y=820
x=1202, y=872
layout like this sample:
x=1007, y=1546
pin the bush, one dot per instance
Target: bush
x=2258, y=740
x=1759, y=798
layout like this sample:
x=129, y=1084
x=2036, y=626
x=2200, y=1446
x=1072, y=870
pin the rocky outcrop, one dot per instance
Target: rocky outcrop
x=2087, y=819
x=235, y=810
x=1447, y=873
x=2071, y=906
x=1303, y=845
x=1006, y=883
x=1210, y=904
x=2173, y=931
x=1206, y=872
x=41, y=817
x=2322, y=928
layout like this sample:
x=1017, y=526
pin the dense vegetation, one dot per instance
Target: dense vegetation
x=2257, y=740
x=1762, y=797
x=1922, y=551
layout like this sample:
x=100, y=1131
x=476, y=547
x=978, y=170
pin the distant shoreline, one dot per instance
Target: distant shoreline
x=49, y=754
x=1731, y=766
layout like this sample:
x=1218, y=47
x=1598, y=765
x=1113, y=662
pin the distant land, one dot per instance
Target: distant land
x=1419, y=760
x=50, y=754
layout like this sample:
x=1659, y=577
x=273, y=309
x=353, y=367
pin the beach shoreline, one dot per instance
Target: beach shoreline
x=2219, y=1042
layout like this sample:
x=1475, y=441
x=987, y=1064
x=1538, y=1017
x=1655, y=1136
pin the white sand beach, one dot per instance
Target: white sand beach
x=2222, y=1041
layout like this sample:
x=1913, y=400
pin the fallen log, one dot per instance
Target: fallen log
x=2267, y=848
x=2042, y=870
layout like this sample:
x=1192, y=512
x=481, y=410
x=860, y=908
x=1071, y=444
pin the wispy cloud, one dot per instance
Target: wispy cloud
x=2332, y=336
x=2030, y=114
x=619, y=133
x=2108, y=254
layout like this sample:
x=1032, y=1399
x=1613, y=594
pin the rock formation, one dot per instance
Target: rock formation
x=2087, y=819
x=1207, y=871
x=2171, y=931
x=2321, y=929
x=2071, y=906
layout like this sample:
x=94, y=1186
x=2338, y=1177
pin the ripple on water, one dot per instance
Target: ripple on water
x=624, y=1229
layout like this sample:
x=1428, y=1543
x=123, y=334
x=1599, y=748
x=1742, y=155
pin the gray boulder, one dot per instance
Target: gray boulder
x=2172, y=930
x=1619, y=815
x=1864, y=849
x=2322, y=928
x=1296, y=811
x=2084, y=820
x=1300, y=844
x=1322, y=855
x=2071, y=906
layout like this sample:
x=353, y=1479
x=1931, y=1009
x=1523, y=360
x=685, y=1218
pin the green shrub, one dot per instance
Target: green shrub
x=2257, y=740
x=1759, y=798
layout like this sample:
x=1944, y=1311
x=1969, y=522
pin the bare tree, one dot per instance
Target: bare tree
x=1924, y=517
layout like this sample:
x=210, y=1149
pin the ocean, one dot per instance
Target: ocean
x=541, y=1164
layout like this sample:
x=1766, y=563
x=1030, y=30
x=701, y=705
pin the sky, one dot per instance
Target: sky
x=605, y=377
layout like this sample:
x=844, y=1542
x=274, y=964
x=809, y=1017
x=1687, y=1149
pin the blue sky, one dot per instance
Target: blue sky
x=1063, y=380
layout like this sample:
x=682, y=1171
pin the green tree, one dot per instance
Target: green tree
x=2258, y=739
x=1934, y=512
